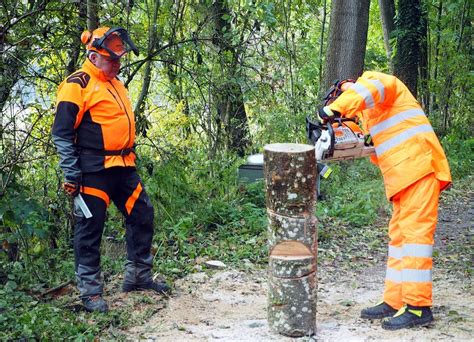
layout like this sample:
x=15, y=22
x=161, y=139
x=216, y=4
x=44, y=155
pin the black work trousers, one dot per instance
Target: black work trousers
x=123, y=187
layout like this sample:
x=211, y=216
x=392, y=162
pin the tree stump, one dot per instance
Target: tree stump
x=290, y=181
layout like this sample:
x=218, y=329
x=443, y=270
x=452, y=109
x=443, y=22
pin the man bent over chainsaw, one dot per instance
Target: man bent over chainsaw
x=94, y=133
x=415, y=170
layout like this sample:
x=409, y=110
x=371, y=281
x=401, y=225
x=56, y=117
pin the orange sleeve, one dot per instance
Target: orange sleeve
x=70, y=95
x=366, y=93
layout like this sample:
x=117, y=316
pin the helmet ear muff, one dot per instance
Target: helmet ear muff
x=86, y=37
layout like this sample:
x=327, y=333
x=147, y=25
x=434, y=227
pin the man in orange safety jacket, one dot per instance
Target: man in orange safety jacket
x=415, y=170
x=94, y=134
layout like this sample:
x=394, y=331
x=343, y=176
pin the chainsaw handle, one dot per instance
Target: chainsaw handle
x=313, y=130
x=341, y=119
x=333, y=138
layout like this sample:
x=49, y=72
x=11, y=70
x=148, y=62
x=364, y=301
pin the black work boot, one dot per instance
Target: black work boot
x=95, y=304
x=160, y=287
x=381, y=310
x=407, y=317
x=138, y=277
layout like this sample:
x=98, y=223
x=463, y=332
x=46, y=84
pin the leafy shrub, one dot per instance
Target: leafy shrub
x=460, y=153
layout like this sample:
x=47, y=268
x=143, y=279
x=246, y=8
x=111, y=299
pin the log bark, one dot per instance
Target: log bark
x=302, y=229
x=289, y=171
x=290, y=179
x=292, y=308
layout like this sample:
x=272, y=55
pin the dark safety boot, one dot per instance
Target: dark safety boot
x=380, y=310
x=95, y=304
x=138, y=277
x=160, y=287
x=407, y=317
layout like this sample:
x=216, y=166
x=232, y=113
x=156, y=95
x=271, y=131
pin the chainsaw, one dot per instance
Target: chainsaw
x=340, y=140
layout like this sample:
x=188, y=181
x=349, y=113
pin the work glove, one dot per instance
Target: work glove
x=368, y=140
x=325, y=115
x=71, y=188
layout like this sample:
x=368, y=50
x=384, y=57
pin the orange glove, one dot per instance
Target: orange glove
x=71, y=188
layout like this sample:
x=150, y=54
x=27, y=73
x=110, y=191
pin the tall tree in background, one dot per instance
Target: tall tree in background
x=228, y=95
x=92, y=15
x=387, y=14
x=347, y=40
x=408, y=32
x=423, y=68
x=153, y=41
x=76, y=44
x=456, y=85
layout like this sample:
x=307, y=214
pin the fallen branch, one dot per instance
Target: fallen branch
x=57, y=288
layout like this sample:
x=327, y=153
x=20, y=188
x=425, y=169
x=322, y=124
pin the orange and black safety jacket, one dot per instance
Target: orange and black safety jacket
x=94, y=125
x=406, y=146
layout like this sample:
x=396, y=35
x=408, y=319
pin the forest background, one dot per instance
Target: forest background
x=215, y=81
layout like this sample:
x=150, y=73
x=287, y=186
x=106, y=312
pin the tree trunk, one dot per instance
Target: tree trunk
x=228, y=96
x=142, y=122
x=321, y=41
x=92, y=15
x=424, y=67
x=436, y=58
x=290, y=179
x=464, y=21
x=347, y=40
x=76, y=46
x=387, y=14
x=407, y=59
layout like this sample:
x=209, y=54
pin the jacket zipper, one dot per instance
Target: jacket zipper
x=124, y=108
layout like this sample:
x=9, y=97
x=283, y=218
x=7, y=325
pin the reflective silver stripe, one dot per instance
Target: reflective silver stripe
x=380, y=88
x=417, y=250
x=365, y=93
x=398, y=139
x=416, y=276
x=395, y=252
x=408, y=275
x=396, y=119
x=393, y=275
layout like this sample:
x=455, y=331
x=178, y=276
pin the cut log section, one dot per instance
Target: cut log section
x=292, y=305
x=282, y=228
x=291, y=259
x=290, y=176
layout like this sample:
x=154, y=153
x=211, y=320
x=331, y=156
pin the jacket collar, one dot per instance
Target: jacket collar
x=93, y=70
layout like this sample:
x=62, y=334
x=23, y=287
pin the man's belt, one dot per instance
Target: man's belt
x=93, y=152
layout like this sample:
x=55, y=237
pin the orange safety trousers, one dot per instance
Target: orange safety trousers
x=411, y=231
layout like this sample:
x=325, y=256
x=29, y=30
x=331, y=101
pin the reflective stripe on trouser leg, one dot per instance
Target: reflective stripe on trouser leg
x=418, y=218
x=393, y=290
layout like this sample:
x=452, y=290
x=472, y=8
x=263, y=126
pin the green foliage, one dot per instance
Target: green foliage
x=375, y=54
x=202, y=214
x=353, y=193
x=24, y=317
x=460, y=155
x=353, y=214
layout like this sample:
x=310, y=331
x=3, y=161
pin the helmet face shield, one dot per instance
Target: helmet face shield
x=116, y=42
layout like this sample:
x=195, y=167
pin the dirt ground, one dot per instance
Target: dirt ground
x=230, y=305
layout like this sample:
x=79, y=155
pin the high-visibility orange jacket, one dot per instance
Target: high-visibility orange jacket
x=406, y=146
x=94, y=126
